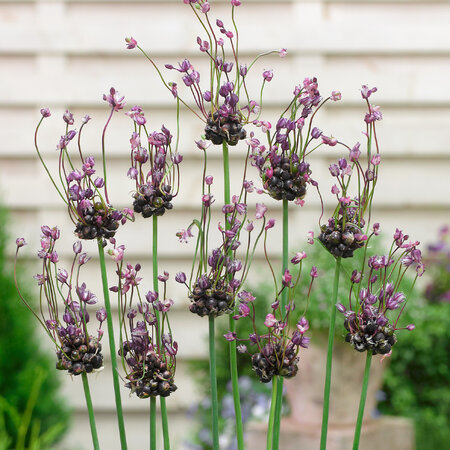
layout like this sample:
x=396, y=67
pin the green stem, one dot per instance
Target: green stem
x=362, y=401
x=164, y=420
x=284, y=293
x=153, y=423
x=326, y=394
x=87, y=394
x=212, y=370
x=273, y=402
x=232, y=322
x=112, y=347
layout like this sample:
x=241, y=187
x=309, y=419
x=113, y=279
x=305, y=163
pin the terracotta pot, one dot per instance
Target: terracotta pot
x=305, y=391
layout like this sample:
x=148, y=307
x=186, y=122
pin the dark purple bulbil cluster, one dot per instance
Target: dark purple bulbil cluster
x=369, y=328
x=77, y=351
x=342, y=238
x=228, y=128
x=156, y=187
x=210, y=297
x=150, y=373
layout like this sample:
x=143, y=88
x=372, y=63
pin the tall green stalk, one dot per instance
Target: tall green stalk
x=213, y=375
x=87, y=394
x=326, y=394
x=165, y=423
x=362, y=401
x=279, y=384
x=232, y=322
x=112, y=347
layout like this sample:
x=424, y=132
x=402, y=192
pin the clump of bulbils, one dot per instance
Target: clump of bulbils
x=281, y=160
x=148, y=351
x=377, y=292
x=220, y=106
x=213, y=292
x=157, y=186
x=343, y=234
x=85, y=193
x=77, y=351
x=277, y=352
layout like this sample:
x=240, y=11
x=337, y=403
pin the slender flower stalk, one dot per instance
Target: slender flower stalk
x=327, y=387
x=87, y=395
x=112, y=348
x=284, y=297
x=213, y=378
x=232, y=322
x=362, y=401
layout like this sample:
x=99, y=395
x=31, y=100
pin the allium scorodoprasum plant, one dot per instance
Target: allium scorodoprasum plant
x=86, y=198
x=220, y=102
x=374, y=296
x=281, y=162
x=277, y=350
x=158, y=184
x=147, y=349
x=344, y=232
x=63, y=302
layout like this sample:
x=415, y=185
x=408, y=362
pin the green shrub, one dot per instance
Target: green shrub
x=21, y=360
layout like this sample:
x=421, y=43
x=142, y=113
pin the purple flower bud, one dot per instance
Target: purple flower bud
x=342, y=163
x=45, y=112
x=101, y=315
x=235, y=283
x=163, y=278
x=243, y=70
x=68, y=117
x=180, y=277
x=355, y=152
x=241, y=348
x=99, y=182
x=177, y=158
x=207, y=96
x=132, y=313
x=270, y=321
x=209, y=180
x=356, y=276
x=261, y=209
x=131, y=43
x=151, y=296
x=275, y=305
x=20, y=242
x=298, y=257
x=230, y=336
x=62, y=275
x=382, y=321
x=316, y=133
x=270, y=224
x=410, y=327
x=334, y=170
x=83, y=259
x=314, y=273
x=267, y=75
x=286, y=278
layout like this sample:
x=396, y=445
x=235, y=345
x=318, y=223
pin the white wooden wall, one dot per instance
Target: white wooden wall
x=66, y=54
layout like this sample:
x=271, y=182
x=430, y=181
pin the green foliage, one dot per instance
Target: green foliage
x=416, y=380
x=21, y=359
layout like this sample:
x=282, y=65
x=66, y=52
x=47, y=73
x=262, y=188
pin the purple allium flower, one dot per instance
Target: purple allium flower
x=101, y=315
x=287, y=278
x=270, y=321
x=336, y=96
x=316, y=133
x=314, y=273
x=267, y=75
x=230, y=336
x=20, y=242
x=283, y=52
x=366, y=92
x=45, y=112
x=270, y=224
x=331, y=141
x=131, y=43
x=299, y=256
x=68, y=117
x=410, y=327
x=180, y=277
x=114, y=99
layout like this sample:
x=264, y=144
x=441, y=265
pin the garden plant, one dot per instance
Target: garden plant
x=144, y=348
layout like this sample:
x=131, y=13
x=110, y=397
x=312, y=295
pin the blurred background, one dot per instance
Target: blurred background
x=66, y=54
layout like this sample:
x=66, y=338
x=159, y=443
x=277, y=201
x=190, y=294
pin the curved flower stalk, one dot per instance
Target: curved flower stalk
x=147, y=349
x=157, y=185
x=220, y=103
x=83, y=191
x=63, y=313
x=344, y=232
x=281, y=161
x=374, y=293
